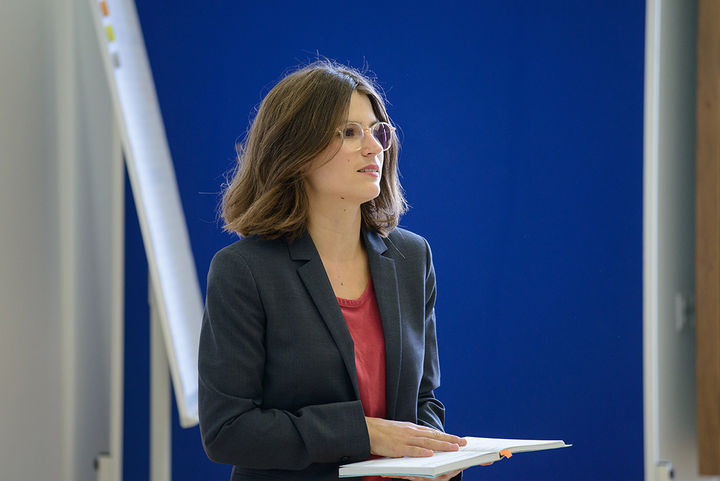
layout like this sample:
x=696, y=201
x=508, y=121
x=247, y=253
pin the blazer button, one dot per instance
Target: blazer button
x=345, y=459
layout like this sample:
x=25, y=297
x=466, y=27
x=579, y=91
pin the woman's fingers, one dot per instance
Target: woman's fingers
x=425, y=437
x=435, y=444
x=445, y=437
x=432, y=439
x=395, y=439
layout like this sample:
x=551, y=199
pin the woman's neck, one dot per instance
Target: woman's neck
x=336, y=232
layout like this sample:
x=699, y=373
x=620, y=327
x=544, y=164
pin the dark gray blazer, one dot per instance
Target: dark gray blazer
x=278, y=391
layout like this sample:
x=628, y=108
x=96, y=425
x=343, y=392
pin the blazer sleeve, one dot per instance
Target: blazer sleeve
x=430, y=410
x=235, y=427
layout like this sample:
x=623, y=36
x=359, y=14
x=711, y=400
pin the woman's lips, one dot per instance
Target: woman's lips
x=372, y=170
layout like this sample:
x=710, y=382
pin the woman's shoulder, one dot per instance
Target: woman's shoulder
x=248, y=251
x=407, y=242
x=399, y=234
x=252, y=245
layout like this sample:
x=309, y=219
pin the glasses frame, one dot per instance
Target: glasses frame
x=369, y=129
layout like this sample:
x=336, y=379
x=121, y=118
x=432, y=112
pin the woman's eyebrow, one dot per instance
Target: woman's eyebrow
x=373, y=122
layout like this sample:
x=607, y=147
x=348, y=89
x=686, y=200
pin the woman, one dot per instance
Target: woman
x=318, y=341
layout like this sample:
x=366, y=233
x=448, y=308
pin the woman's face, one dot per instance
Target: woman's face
x=353, y=173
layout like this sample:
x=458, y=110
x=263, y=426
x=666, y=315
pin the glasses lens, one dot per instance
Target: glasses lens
x=383, y=134
x=352, y=131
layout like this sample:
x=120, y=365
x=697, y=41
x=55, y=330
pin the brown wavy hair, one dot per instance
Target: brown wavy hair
x=295, y=122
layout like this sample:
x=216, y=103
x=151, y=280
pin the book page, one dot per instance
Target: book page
x=495, y=445
x=437, y=459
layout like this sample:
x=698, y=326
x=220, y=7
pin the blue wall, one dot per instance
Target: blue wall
x=522, y=160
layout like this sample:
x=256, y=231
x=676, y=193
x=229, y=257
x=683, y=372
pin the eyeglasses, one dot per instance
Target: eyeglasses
x=353, y=133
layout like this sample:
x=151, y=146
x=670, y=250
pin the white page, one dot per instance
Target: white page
x=495, y=445
x=428, y=461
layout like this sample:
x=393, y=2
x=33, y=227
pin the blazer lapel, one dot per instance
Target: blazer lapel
x=382, y=270
x=313, y=275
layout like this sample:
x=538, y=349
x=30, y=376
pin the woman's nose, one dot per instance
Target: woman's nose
x=370, y=145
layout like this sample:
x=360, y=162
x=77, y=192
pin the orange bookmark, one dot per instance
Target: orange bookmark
x=505, y=453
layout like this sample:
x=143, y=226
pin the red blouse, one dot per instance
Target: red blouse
x=363, y=320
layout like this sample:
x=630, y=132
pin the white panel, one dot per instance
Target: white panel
x=670, y=434
x=162, y=222
x=96, y=241
x=650, y=237
x=56, y=271
x=31, y=376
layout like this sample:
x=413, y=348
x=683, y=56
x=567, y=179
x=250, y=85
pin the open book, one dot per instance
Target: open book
x=476, y=451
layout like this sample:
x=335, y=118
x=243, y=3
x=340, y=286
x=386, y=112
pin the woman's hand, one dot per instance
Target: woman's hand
x=395, y=439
